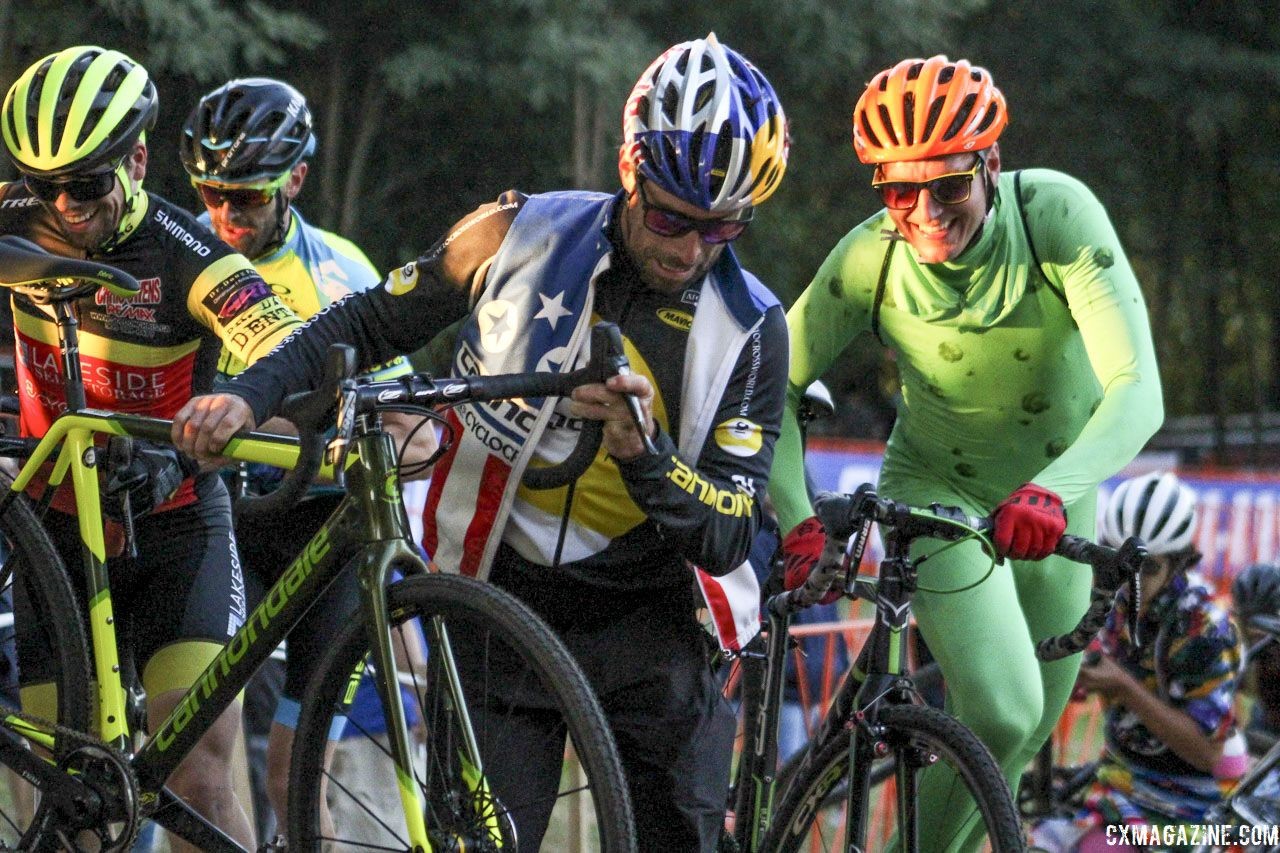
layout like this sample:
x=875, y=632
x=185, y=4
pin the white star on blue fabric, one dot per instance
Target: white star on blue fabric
x=552, y=309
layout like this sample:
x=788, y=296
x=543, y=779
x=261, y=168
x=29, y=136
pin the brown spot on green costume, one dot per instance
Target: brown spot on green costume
x=1035, y=403
x=950, y=352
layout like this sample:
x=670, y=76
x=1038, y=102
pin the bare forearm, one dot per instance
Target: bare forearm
x=1177, y=730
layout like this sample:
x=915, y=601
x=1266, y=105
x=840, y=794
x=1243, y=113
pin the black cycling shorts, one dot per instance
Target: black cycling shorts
x=185, y=585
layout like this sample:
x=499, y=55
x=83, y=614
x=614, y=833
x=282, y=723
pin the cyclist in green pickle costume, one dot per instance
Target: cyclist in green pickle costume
x=1028, y=377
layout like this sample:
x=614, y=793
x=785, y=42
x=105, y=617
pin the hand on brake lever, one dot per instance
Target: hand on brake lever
x=607, y=402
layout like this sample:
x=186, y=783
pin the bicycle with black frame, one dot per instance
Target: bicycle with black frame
x=877, y=727
x=96, y=779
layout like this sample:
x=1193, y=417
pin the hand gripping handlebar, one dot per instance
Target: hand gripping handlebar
x=848, y=519
x=310, y=411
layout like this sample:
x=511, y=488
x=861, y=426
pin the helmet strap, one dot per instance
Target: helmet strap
x=133, y=211
x=282, y=224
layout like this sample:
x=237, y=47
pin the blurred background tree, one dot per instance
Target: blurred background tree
x=1168, y=109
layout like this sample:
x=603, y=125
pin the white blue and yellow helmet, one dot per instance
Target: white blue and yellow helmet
x=705, y=125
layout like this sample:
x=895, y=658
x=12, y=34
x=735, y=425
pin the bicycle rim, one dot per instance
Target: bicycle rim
x=514, y=673
x=813, y=816
x=38, y=576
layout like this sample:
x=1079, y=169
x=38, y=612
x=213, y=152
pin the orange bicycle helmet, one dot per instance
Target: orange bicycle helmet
x=924, y=108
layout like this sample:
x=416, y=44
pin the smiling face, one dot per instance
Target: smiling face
x=89, y=224
x=940, y=232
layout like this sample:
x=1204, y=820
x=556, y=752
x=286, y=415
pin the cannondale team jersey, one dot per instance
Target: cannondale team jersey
x=309, y=271
x=147, y=353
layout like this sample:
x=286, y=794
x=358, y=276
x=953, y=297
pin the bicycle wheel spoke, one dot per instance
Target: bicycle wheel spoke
x=486, y=698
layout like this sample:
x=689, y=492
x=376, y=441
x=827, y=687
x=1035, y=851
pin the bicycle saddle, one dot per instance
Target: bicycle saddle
x=24, y=264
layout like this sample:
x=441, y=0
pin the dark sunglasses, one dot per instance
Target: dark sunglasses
x=82, y=188
x=669, y=223
x=243, y=199
x=953, y=188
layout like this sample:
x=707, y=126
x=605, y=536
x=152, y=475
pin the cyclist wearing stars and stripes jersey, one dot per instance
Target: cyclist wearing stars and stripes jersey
x=605, y=560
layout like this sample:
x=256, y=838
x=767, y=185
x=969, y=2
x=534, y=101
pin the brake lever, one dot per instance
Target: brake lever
x=616, y=363
x=339, y=446
x=1132, y=553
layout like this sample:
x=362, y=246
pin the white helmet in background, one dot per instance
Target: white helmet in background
x=1159, y=508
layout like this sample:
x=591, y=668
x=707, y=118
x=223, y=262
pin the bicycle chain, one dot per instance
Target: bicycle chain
x=76, y=740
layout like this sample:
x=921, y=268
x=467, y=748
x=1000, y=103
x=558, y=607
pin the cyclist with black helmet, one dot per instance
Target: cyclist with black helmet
x=1171, y=739
x=604, y=561
x=1028, y=377
x=74, y=125
x=245, y=146
x=1255, y=592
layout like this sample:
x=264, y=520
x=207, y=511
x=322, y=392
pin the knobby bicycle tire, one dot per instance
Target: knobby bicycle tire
x=530, y=667
x=810, y=815
x=39, y=572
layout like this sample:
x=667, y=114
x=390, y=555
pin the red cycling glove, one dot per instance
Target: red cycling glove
x=801, y=550
x=1029, y=523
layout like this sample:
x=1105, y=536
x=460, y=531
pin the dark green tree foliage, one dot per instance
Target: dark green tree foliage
x=1168, y=109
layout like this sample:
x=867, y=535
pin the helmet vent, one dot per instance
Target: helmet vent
x=945, y=75
x=704, y=95
x=888, y=124
x=935, y=110
x=914, y=72
x=866, y=129
x=698, y=145
x=992, y=112
x=962, y=114
x=670, y=104
x=909, y=117
x=721, y=157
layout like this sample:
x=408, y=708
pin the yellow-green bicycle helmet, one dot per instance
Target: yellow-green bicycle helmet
x=76, y=110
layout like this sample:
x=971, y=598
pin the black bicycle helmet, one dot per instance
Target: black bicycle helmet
x=77, y=110
x=248, y=131
x=1256, y=590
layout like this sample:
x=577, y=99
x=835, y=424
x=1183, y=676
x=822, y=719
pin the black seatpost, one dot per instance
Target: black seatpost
x=120, y=455
x=69, y=344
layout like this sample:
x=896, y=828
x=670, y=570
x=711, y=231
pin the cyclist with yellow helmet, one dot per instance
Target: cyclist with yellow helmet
x=74, y=125
x=604, y=561
x=1028, y=377
x=245, y=147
